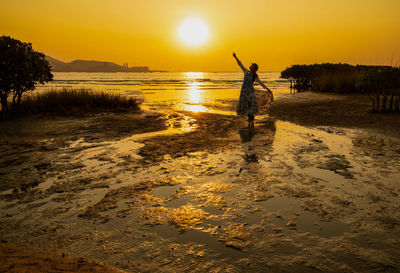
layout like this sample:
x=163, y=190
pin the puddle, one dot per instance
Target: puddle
x=199, y=237
x=280, y=203
x=232, y=187
x=213, y=210
x=46, y=184
x=253, y=218
x=178, y=124
x=326, y=175
x=178, y=202
x=164, y=192
x=5, y=192
x=287, y=207
x=310, y=222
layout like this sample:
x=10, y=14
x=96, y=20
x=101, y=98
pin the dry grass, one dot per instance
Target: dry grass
x=76, y=102
x=338, y=82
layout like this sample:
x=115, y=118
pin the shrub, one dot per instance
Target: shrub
x=77, y=102
x=327, y=77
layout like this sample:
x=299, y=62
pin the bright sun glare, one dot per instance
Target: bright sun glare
x=193, y=31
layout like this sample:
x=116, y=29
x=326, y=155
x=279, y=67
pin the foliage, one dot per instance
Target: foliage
x=76, y=102
x=382, y=83
x=326, y=77
x=300, y=76
x=21, y=68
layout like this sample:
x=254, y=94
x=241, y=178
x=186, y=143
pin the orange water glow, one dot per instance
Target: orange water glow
x=194, y=93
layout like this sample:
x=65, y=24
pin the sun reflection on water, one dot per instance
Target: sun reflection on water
x=195, y=94
x=195, y=108
x=193, y=75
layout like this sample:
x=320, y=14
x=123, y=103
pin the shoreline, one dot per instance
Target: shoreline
x=93, y=171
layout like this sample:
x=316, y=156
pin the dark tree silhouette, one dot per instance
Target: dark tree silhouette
x=21, y=68
x=382, y=83
x=326, y=77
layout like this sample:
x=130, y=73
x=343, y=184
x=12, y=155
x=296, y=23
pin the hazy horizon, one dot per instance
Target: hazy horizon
x=152, y=70
x=272, y=34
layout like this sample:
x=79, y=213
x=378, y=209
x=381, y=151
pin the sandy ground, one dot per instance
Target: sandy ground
x=350, y=111
x=312, y=188
x=26, y=259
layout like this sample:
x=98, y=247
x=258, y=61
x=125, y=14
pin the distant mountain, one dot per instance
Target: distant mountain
x=92, y=66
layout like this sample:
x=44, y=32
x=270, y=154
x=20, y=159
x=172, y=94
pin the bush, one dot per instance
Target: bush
x=327, y=77
x=76, y=102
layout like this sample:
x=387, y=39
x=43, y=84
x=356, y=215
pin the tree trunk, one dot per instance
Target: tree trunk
x=14, y=96
x=391, y=103
x=384, y=103
x=373, y=103
x=377, y=103
x=396, y=104
x=4, y=106
x=19, y=100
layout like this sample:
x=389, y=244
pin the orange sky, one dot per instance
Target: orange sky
x=275, y=34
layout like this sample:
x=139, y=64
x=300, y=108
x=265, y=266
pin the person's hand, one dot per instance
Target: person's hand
x=234, y=54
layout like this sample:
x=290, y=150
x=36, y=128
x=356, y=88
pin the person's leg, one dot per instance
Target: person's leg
x=249, y=119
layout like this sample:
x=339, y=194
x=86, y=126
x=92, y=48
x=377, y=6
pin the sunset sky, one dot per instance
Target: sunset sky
x=275, y=34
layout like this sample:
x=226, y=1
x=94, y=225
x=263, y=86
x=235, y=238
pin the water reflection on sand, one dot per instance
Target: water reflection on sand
x=208, y=193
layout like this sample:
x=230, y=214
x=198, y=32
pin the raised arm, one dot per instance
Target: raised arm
x=240, y=63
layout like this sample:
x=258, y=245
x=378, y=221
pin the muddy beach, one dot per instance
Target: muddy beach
x=313, y=187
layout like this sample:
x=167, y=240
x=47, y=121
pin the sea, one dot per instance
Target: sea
x=192, y=91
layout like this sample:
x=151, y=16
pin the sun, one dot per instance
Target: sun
x=193, y=32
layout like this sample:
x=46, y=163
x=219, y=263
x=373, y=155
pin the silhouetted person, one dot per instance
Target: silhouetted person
x=247, y=101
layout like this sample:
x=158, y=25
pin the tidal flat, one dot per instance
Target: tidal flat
x=307, y=189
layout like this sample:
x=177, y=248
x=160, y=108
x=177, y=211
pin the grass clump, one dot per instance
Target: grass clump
x=77, y=102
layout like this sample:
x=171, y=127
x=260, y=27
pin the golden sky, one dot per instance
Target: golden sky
x=275, y=34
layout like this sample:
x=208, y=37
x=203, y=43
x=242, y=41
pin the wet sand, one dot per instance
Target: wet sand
x=350, y=111
x=314, y=187
x=26, y=259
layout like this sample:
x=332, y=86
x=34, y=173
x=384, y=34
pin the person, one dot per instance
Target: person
x=248, y=97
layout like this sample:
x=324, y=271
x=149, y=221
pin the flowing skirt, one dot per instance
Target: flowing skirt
x=254, y=102
x=264, y=100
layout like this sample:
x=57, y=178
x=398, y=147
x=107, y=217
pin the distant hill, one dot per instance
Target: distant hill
x=92, y=66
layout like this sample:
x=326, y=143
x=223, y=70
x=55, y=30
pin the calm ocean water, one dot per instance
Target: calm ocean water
x=177, y=88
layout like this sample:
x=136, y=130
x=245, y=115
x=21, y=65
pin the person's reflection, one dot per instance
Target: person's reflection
x=257, y=142
x=246, y=135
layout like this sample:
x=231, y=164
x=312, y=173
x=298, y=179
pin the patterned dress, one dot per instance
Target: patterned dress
x=247, y=101
x=264, y=100
x=252, y=102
